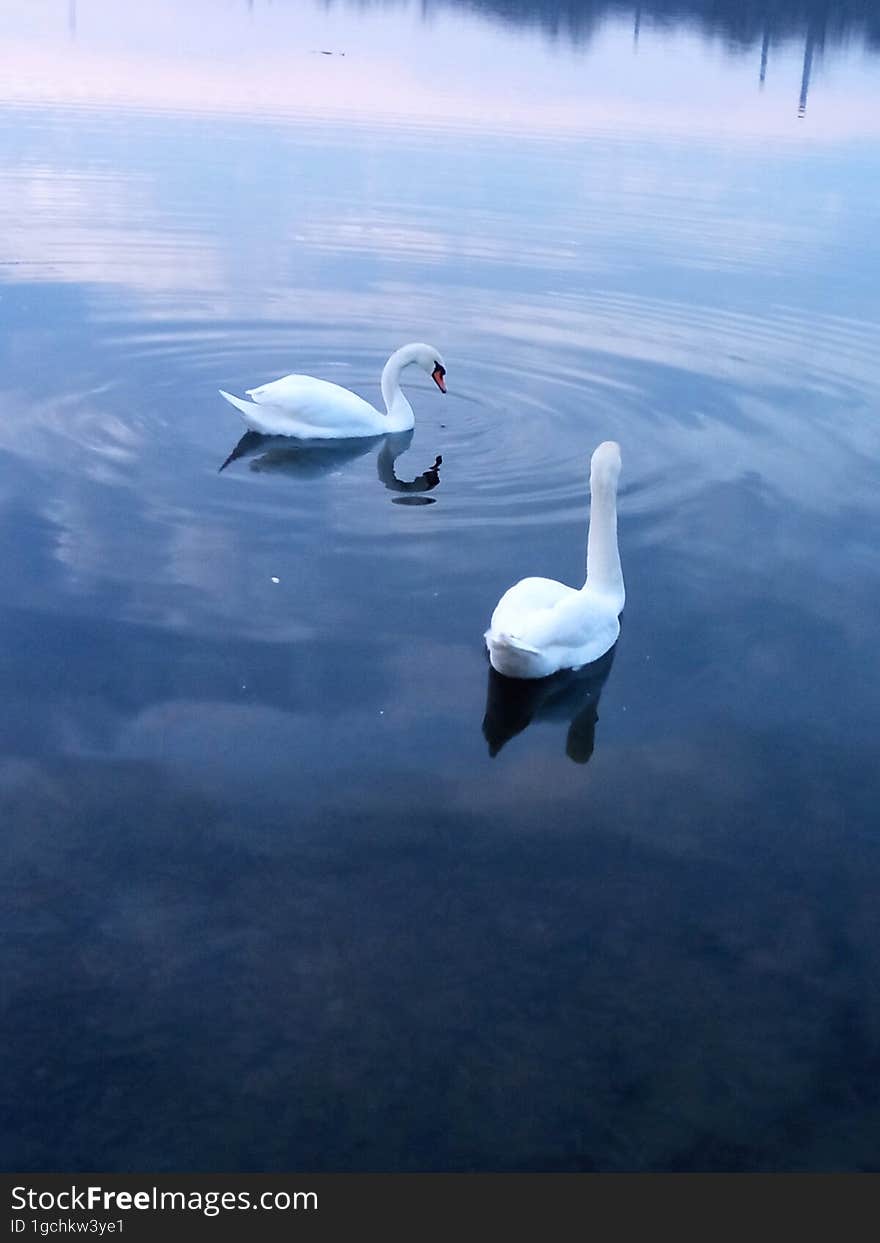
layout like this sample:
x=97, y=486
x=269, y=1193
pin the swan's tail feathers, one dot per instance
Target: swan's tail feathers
x=500, y=639
x=512, y=657
x=244, y=407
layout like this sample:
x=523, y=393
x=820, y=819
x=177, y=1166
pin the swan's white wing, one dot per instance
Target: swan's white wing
x=318, y=403
x=574, y=632
x=555, y=626
x=524, y=599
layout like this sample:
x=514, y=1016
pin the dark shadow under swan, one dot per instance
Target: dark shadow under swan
x=512, y=704
x=311, y=459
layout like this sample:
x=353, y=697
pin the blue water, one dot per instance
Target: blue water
x=291, y=881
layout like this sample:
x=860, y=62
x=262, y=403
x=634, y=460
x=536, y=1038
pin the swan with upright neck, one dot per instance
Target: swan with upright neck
x=540, y=626
x=311, y=409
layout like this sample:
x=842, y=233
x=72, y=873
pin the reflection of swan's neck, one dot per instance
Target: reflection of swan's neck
x=399, y=411
x=603, y=559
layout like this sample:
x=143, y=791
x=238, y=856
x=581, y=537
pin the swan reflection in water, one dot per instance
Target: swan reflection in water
x=513, y=703
x=310, y=459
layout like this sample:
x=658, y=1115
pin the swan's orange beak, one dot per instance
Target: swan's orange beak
x=437, y=376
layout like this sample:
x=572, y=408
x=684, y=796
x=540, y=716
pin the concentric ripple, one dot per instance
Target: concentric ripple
x=694, y=395
x=580, y=289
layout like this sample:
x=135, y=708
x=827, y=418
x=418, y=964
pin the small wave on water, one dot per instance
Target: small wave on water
x=694, y=395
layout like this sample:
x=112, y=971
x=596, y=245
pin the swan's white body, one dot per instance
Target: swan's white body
x=301, y=406
x=540, y=626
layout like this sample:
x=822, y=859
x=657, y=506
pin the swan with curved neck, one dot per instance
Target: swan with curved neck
x=540, y=626
x=312, y=409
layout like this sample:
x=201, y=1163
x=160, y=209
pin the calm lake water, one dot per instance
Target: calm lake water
x=289, y=881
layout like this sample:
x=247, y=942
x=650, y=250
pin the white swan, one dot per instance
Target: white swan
x=540, y=626
x=300, y=405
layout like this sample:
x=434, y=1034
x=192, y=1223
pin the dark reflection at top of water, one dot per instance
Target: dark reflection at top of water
x=741, y=25
x=769, y=24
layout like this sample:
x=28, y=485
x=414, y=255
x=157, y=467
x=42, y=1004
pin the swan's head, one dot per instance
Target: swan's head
x=605, y=465
x=430, y=360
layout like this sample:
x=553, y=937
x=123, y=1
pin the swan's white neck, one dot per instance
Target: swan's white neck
x=399, y=411
x=604, y=573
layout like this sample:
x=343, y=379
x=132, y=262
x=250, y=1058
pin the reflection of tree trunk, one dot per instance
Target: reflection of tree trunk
x=637, y=23
x=808, y=66
x=765, y=48
x=815, y=41
x=71, y=18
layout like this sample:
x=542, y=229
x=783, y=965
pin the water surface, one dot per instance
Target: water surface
x=291, y=881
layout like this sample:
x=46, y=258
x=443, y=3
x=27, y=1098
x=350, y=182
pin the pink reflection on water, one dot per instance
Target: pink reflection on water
x=450, y=68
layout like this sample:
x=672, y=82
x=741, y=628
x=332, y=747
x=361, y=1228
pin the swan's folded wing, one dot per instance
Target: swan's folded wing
x=290, y=388
x=528, y=596
x=318, y=403
x=572, y=623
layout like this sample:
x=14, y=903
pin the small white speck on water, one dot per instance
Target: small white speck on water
x=275, y=580
x=381, y=712
x=244, y=686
